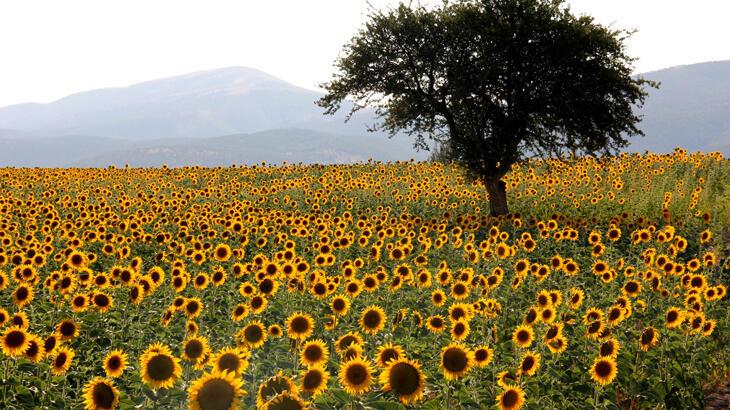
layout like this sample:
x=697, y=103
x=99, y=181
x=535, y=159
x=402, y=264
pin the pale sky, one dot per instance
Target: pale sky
x=52, y=48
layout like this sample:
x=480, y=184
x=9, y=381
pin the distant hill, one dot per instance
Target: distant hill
x=202, y=104
x=242, y=115
x=272, y=146
x=691, y=109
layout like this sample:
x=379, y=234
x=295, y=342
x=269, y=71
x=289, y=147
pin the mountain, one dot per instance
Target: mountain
x=272, y=146
x=201, y=104
x=691, y=109
x=241, y=115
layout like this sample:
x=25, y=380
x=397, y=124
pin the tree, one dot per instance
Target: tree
x=498, y=80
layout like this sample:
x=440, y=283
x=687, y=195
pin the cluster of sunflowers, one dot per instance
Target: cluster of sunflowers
x=363, y=286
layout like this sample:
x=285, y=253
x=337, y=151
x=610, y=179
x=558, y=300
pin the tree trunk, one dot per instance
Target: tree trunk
x=497, y=190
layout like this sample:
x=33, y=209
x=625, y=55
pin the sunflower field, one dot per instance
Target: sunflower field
x=366, y=286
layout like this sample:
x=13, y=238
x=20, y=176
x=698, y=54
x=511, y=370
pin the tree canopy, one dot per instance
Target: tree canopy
x=493, y=81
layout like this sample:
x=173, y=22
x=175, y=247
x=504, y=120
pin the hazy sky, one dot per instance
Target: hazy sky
x=52, y=48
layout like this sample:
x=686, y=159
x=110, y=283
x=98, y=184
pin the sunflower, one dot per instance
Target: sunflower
x=80, y=302
x=285, y=401
x=511, y=398
x=100, y=394
x=15, y=341
x=274, y=386
x=102, y=302
x=438, y=297
x=215, y=390
x=372, y=319
x=253, y=335
x=609, y=348
x=314, y=353
x=346, y=340
x=595, y=329
x=35, y=352
x=557, y=345
x=340, y=305
x=23, y=295
x=50, y=343
x=353, y=351
x=314, y=380
x=436, y=323
x=232, y=360
x=222, y=252
x=456, y=360
x=300, y=326
x=62, y=360
x=356, y=376
x=648, y=339
x=195, y=348
x=193, y=307
x=405, y=378
x=4, y=317
x=158, y=367
x=388, y=352
x=530, y=363
x=483, y=355
x=115, y=362
x=67, y=329
x=604, y=370
x=547, y=315
x=674, y=317
x=523, y=336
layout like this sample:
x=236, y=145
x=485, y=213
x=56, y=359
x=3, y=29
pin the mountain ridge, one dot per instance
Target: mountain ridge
x=186, y=111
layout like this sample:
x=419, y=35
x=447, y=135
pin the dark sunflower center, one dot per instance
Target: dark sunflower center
x=103, y=396
x=101, y=300
x=523, y=336
x=114, y=363
x=607, y=349
x=300, y=324
x=528, y=363
x=388, y=355
x=338, y=304
x=192, y=307
x=253, y=334
x=60, y=360
x=15, y=339
x=603, y=368
x=594, y=327
x=552, y=332
x=312, y=380
x=22, y=294
x=346, y=341
x=372, y=319
x=481, y=355
x=67, y=329
x=455, y=360
x=404, y=379
x=50, y=344
x=356, y=374
x=313, y=353
x=647, y=336
x=266, y=286
x=32, y=350
x=672, y=316
x=194, y=349
x=229, y=362
x=216, y=394
x=510, y=398
x=160, y=367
